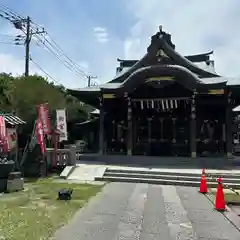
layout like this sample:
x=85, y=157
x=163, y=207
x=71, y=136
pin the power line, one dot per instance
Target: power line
x=58, y=52
x=10, y=43
x=65, y=63
x=6, y=35
x=60, y=55
x=61, y=50
x=47, y=74
x=7, y=9
x=42, y=37
x=20, y=23
x=14, y=40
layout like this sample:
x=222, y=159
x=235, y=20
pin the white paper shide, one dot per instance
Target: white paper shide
x=62, y=124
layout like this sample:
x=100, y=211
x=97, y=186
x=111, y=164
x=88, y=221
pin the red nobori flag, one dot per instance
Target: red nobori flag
x=40, y=135
x=43, y=115
x=3, y=135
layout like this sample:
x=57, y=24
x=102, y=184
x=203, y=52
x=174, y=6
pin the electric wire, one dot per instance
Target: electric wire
x=44, y=40
x=49, y=45
x=65, y=63
x=47, y=74
x=7, y=9
x=10, y=39
x=63, y=53
x=61, y=57
x=57, y=51
x=11, y=43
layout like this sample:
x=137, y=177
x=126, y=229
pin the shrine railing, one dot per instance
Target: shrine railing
x=63, y=157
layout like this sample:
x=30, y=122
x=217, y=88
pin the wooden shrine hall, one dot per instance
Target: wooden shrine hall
x=164, y=104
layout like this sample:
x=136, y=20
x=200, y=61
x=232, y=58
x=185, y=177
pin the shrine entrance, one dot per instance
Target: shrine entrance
x=161, y=127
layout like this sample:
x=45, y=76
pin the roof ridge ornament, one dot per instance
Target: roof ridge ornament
x=160, y=28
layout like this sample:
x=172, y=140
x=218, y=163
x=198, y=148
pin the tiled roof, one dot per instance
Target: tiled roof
x=11, y=119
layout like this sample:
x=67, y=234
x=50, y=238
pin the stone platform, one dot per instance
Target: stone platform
x=170, y=162
x=151, y=175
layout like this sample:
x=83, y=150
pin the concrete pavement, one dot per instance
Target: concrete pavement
x=148, y=212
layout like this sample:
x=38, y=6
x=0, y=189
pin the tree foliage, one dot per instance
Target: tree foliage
x=22, y=95
x=6, y=91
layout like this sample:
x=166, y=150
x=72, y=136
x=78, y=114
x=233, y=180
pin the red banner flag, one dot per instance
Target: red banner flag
x=3, y=135
x=43, y=115
x=40, y=135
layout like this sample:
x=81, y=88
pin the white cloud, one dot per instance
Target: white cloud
x=11, y=64
x=101, y=34
x=196, y=26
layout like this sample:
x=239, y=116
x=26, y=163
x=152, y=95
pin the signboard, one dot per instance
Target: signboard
x=162, y=78
x=44, y=117
x=40, y=135
x=3, y=132
x=62, y=124
x=12, y=138
x=3, y=135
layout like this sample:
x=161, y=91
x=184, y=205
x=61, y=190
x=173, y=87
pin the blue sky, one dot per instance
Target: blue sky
x=94, y=33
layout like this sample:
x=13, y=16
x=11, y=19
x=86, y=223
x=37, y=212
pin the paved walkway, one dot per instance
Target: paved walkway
x=126, y=211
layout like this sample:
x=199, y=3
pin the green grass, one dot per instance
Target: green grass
x=35, y=214
x=230, y=197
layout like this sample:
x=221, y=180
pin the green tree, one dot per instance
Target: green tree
x=32, y=91
x=6, y=91
x=22, y=95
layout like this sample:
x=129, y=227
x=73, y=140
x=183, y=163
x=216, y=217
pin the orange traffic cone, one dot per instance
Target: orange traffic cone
x=220, y=201
x=203, y=184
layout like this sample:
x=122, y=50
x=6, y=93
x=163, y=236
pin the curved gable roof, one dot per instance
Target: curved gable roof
x=162, y=41
x=181, y=60
x=188, y=79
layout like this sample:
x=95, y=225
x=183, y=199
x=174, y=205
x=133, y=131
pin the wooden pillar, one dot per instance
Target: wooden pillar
x=134, y=126
x=130, y=128
x=193, y=147
x=228, y=126
x=149, y=135
x=174, y=130
x=161, y=126
x=101, y=128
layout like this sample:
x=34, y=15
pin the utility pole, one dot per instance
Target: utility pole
x=27, y=43
x=23, y=24
x=89, y=79
x=29, y=34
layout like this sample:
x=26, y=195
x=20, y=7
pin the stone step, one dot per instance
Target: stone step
x=176, y=177
x=162, y=181
x=172, y=172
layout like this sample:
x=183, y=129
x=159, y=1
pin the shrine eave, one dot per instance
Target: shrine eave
x=87, y=95
x=196, y=58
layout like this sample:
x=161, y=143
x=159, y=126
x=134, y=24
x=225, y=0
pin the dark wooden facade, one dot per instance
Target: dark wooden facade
x=164, y=105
